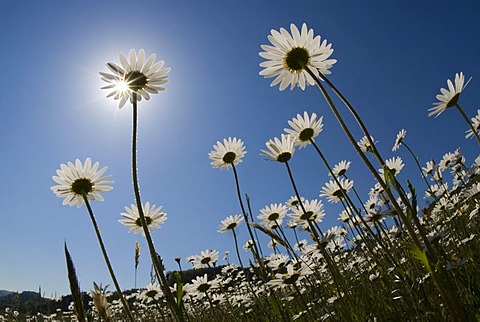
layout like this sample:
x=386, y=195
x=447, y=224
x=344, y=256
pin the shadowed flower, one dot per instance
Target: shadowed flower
x=314, y=212
x=398, y=141
x=280, y=150
x=449, y=97
x=227, y=154
x=272, y=216
x=230, y=223
x=76, y=180
x=333, y=192
x=395, y=165
x=365, y=145
x=303, y=129
x=205, y=259
x=291, y=53
x=153, y=292
x=135, y=76
x=293, y=202
x=340, y=168
x=154, y=218
x=475, y=125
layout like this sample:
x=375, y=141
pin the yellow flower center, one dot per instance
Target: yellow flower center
x=296, y=59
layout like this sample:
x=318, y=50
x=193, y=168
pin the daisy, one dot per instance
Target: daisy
x=333, y=192
x=449, y=97
x=153, y=292
x=200, y=285
x=227, y=154
x=314, y=212
x=398, y=141
x=272, y=216
x=293, y=202
x=304, y=129
x=135, y=76
x=341, y=168
x=290, y=277
x=230, y=223
x=395, y=165
x=154, y=218
x=429, y=167
x=365, y=145
x=206, y=258
x=280, y=150
x=291, y=54
x=475, y=125
x=76, y=180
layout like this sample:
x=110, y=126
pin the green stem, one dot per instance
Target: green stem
x=245, y=216
x=236, y=248
x=156, y=259
x=107, y=261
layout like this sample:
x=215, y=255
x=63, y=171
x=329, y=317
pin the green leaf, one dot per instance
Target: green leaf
x=419, y=254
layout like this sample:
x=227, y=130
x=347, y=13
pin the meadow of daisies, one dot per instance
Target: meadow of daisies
x=389, y=258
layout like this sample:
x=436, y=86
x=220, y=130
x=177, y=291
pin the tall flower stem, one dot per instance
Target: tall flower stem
x=377, y=155
x=330, y=262
x=452, y=305
x=236, y=248
x=460, y=109
x=367, y=162
x=245, y=216
x=418, y=165
x=156, y=259
x=107, y=261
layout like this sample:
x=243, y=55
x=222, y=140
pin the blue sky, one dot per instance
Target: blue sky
x=393, y=57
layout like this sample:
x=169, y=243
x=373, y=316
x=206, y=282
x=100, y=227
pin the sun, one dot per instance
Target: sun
x=121, y=86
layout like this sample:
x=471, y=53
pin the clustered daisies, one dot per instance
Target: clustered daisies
x=373, y=265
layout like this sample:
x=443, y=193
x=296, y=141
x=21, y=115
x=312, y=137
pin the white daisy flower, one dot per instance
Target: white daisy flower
x=340, y=168
x=333, y=192
x=449, y=97
x=395, y=165
x=398, y=141
x=291, y=53
x=365, y=145
x=76, y=180
x=135, y=76
x=314, y=212
x=475, y=125
x=280, y=150
x=230, y=223
x=272, y=216
x=306, y=128
x=154, y=218
x=227, y=154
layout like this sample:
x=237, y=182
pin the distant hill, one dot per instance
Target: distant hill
x=4, y=293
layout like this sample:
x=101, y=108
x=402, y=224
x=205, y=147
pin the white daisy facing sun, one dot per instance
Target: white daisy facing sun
x=291, y=53
x=135, y=75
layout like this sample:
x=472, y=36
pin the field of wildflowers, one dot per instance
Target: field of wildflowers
x=388, y=259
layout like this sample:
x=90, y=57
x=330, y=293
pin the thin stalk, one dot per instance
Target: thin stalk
x=107, y=261
x=245, y=215
x=156, y=259
x=369, y=165
x=236, y=248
